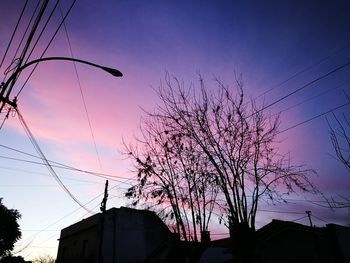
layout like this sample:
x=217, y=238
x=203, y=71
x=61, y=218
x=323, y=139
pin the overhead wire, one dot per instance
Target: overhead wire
x=60, y=165
x=5, y=118
x=314, y=117
x=16, y=74
x=292, y=200
x=13, y=33
x=35, y=26
x=281, y=212
x=298, y=219
x=125, y=181
x=82, y=217
x=47, y=163
x=320, y=219
x=42, y=30
x=302, y=87
x=47, y=47
x=81, y=92
x=34, y=236
x=59, y=220
x=26, y=30
x=305, y=69
x=315, y=96
x=44, y=174
x=33, y=185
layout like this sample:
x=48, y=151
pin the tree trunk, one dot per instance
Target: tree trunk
x=243, y=241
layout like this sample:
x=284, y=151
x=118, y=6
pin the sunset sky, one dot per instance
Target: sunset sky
x=277, y=46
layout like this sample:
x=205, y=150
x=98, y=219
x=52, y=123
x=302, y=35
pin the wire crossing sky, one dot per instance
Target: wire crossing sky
x=293, y=57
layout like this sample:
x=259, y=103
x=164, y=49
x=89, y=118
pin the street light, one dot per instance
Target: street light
x=5, y=99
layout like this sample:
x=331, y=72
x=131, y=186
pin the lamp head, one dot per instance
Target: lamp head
x=112, y=71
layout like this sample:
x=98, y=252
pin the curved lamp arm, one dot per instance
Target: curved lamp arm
x=112, y=71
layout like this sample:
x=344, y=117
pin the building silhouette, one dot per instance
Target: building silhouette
x=122, y=235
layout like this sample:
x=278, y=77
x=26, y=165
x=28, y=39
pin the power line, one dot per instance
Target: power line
x=26, y=30
x=42, y=30
x=301, y=88
x=5, y=118
x=305, y=200
x=324, y=221
x=43, y=174
x=313, y=118
x=17, y=73
x=305, y=69
x=69, y=168
x=59, y=165
x=298, y=219
x=59, y=220
x=30, y=38
x=82, y=93
x=315, y=96
x=32, y=185
x=290, y=200
x=48, y=165
x=47, y=47
x=34, y=236
x=281, y=212
x=14, y=32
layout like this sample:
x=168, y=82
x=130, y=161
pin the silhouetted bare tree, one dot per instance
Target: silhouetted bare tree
x=174, y=177
x=340, y=137
x=235, y=142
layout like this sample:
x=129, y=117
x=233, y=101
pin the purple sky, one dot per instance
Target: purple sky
x=268, y=42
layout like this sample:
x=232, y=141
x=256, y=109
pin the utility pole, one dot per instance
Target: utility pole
x=6, y=89
x=104, y=200
x=102, y=222
x=309, y=216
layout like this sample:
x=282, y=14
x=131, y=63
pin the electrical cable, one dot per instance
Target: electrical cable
x=59, y=220
x=42, y=30
x=33, y=30
x=60, y=165
x=16, y=74
x=81, y=92
x=26, y=31
x=34, y=236
x=281, y=212
x=305, y=69
x=301, y=88
x=324, y=221
x=47, y=47
x=295, y=220
x=68, y=168
x=315, y=96
x=48, y=165
x=14, y=32
x=43, y=174
x=313, y=118
x=5, y=118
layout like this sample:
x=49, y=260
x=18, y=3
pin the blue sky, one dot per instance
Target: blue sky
x=268, y=42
